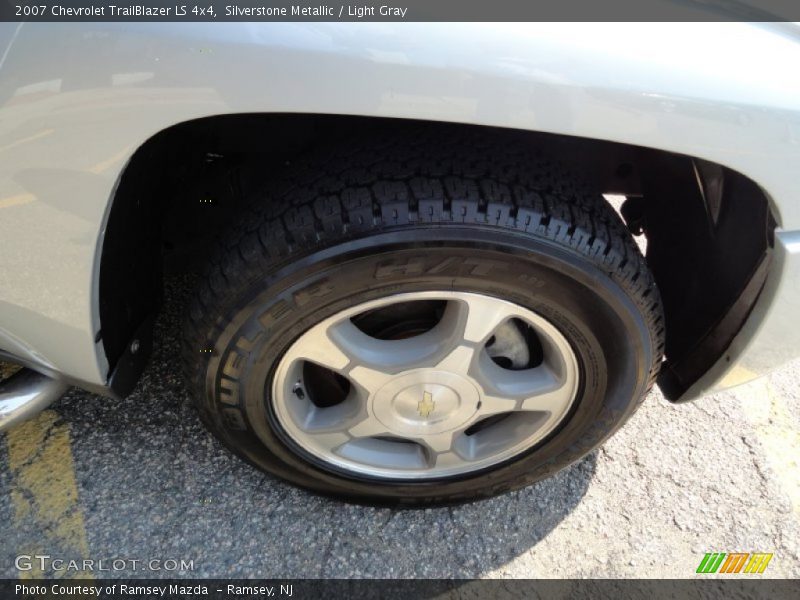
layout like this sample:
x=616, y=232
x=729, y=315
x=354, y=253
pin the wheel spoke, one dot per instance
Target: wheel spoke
x=439, y=443
x=494, y=405
x=471, y=323
x=329, y=439
x=367, y=427
x=446, y=460
x=369, y=379
x=538, y=389
x=387, y=355
x=442, y=449
x=483, y=316
x=550, y=399
x=459, y=360
x=322, y=350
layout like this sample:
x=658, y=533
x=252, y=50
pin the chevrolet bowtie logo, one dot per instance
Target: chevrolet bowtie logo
x=426, y=405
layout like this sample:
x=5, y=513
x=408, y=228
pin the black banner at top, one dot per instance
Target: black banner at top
x=401, y=10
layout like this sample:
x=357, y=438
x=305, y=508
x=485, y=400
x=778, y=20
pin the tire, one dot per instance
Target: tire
x=437, y=214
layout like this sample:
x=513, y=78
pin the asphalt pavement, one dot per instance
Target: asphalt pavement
x=140, y=480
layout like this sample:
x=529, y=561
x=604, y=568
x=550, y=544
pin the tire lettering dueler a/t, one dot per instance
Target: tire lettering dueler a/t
x=429, y=317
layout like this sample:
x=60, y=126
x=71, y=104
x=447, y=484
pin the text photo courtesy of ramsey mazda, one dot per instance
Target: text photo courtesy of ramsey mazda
x=431, y=263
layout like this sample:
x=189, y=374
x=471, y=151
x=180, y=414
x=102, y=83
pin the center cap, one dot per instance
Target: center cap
x=425, y=401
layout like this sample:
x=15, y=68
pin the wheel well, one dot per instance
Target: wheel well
x=708, y=229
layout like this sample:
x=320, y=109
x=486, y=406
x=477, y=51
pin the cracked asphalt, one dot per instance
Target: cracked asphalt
x=140, y=479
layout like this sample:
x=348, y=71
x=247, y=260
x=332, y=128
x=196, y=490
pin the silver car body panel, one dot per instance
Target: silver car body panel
x=76, y=100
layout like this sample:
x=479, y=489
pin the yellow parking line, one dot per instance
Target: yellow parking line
x=15, y=200
x=25, y=140
x=104, y=165
x=44, y=493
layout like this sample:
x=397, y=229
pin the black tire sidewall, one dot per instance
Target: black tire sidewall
x=603, y=325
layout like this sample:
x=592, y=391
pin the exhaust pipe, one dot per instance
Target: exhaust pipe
x=25, y=394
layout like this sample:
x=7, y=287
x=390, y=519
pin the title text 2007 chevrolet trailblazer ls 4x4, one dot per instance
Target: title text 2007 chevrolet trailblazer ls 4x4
x=414, y=289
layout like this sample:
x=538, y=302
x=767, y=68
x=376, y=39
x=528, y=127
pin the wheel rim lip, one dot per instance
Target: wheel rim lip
x=279, y=393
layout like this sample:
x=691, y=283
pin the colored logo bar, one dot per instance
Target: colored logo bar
x=734, y=562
